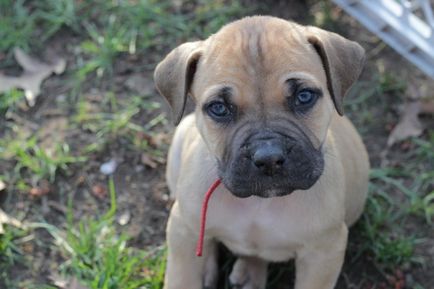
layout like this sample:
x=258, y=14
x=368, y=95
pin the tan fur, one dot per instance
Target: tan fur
x=255, y=56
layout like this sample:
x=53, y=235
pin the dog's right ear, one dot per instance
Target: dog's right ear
x=174, y=75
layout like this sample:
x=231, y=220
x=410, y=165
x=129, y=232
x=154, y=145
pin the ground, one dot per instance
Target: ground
x=77, y=223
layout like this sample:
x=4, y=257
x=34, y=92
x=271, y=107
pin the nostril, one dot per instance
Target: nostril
x=289, y=149
x=280, y=161
x=258, y=162
x=268, y=159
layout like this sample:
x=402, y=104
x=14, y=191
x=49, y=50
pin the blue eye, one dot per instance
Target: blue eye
x=305, y=97
x=219, y=110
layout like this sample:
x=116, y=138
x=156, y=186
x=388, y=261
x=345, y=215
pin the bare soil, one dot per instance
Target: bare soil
x=141, y=190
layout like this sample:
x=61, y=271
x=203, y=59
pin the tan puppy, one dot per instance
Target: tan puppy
x=269, y=123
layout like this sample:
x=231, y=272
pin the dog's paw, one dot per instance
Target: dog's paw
x=248, y=273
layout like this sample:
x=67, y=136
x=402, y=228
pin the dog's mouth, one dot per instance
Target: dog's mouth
x=244, y=181
x=245, y=188
x=271, y=165
x=259, y=192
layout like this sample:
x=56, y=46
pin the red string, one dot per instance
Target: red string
x=199, y=247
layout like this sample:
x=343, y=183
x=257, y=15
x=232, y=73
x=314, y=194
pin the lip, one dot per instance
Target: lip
x=267, y=193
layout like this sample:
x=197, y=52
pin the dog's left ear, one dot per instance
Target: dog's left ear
x=342, y=60
x=174, y=76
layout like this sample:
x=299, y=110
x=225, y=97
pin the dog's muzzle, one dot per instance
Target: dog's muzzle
x=271, y=163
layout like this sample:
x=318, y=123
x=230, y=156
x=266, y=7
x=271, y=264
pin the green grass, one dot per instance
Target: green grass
x=383, y=238
x=117, y=121
x=381, y=90
x=17, y=25
x=398, y=196
x=101, y=258
x=9, y=101
x=109, y=28
x=100, y=35
x=11, y=253
x=92, y=250
x=31, y=159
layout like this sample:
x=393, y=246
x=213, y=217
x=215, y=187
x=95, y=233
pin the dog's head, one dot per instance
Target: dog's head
x=265, y=91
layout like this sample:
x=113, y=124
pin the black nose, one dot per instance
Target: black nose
x=269, y=158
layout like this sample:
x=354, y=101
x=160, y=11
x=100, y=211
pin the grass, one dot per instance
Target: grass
x=381, y=89
x=93, y=250
x=103, y=117
x=109, y=30
x=399, y=197
x=400, y=194
x=117, y=122
x=102, y=259
x=34, y=161
x=10, y=100
x=9, y=251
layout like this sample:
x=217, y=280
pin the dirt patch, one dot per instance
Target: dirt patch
x=142, y=195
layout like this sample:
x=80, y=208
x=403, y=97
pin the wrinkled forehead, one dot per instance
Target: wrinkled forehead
x=252, y=49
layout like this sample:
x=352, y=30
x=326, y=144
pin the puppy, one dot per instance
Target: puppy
x=269, y=123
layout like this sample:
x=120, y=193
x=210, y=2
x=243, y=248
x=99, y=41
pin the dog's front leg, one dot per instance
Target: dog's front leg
x=184, y=269
x=318, y=265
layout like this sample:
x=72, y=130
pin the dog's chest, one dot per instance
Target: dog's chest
x=268, y=228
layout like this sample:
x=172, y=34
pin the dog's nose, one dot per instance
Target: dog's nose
x=269, y=158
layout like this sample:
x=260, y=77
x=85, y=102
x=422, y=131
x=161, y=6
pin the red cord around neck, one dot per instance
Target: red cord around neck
x=199, y=247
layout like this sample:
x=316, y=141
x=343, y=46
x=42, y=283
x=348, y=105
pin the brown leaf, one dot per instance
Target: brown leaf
x=41, y=190
x=427, y=107
x=80, y=180
x=99, y=191
x=34, y=73
x=5, y=219
x=160, y=139
x=149, y=161
x=28, y=248
x=409, y=124
x=159, y=192
x=66, y=283
x=74, y=284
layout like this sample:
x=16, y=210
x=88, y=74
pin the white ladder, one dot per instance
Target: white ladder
x=407, y=26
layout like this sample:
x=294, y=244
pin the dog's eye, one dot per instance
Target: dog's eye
x=219, y=111
x=305, y=97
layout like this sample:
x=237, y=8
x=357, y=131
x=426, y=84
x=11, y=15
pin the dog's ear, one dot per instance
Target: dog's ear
x=342, y=61
x=174, y=76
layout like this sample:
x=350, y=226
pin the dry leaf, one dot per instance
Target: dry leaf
x=74, y=284
x=66, y=283
x=5, y=219
x=35, y=72
x=41, y=190
x=159, y=192
x=409, y=124
x=427, y=107
x=99, y=191
x=149, y=161
x=160, y=139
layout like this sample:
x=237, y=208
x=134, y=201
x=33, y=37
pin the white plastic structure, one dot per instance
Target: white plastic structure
x=407, y=26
